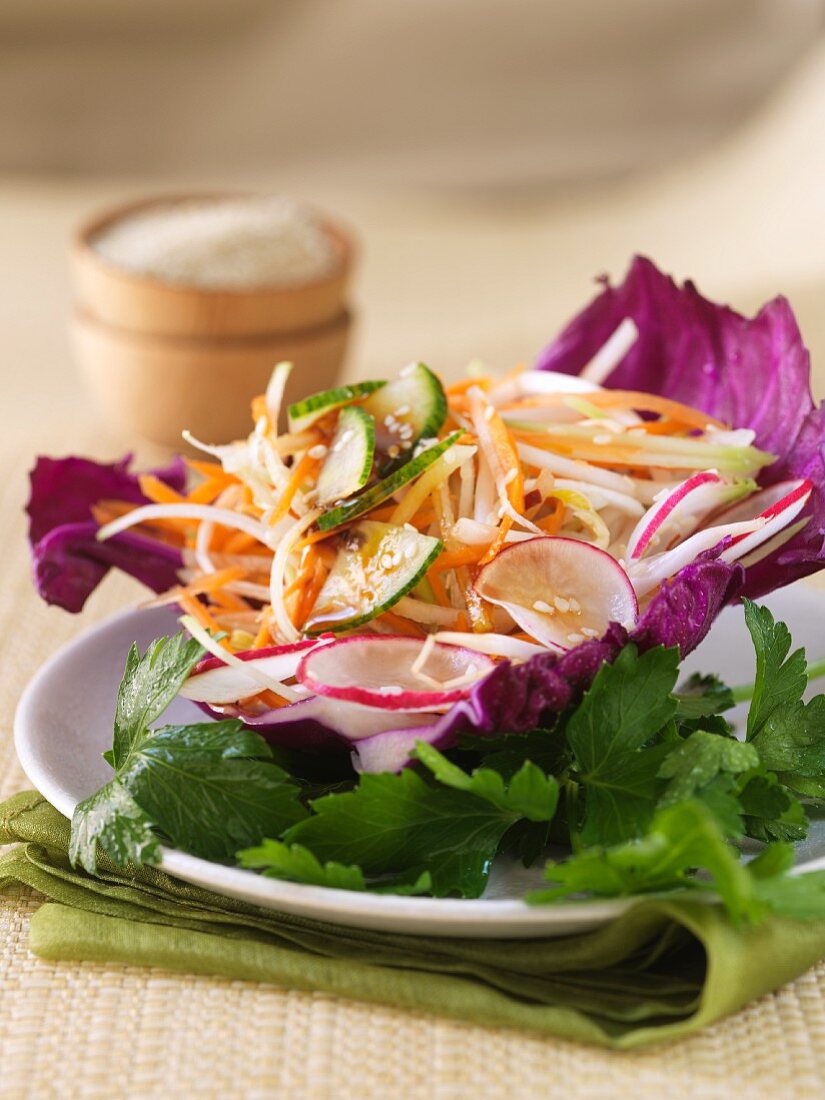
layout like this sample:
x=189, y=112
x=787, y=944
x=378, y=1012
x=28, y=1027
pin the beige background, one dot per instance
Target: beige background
x=446, y=277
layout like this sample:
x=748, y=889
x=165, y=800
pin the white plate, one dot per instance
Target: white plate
x=63, y=724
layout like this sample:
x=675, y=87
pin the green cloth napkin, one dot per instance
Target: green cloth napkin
x=663, y=970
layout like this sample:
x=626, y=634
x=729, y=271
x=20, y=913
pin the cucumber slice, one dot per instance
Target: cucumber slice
x=412, y=407
x=377, y=564
x=302, y=414
x=348, y=464
x=371, y=498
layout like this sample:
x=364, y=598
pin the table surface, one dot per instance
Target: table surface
x=444, y=279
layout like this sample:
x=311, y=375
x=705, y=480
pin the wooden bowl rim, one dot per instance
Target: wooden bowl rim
x=339, y=323
x=81, y=245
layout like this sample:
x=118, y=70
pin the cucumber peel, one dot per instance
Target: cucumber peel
x=377, y=564
x=348, y=464
x=379, y=492
x=303, y=414
x=410, y=408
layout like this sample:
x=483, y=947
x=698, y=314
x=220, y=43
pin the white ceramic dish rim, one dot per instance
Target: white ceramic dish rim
x=494, y=918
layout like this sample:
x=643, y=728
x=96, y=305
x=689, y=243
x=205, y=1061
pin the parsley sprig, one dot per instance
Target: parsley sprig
x=641, y=787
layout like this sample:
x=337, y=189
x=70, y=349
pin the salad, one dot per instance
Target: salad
x=413, y=563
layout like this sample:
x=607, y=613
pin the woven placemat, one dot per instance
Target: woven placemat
x=101, y=1032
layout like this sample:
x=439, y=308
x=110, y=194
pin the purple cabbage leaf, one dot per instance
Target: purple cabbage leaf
x=68, y=562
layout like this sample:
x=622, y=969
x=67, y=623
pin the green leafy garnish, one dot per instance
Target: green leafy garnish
x=644, y=783
x=210, y=787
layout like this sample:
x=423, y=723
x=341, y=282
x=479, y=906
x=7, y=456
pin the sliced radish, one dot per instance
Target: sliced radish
x=318, y=723
x=649, y=573
x=559, y=590
x=777, y=506
x=213, y=681
x=678, y=512
x=393, y=672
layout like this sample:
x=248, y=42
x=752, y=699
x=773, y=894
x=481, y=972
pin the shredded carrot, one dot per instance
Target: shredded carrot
x=272, y=699
x=211, y=582
x=310, y=594
x=449, y=559
x=206, y=492
x=240, y=542
x=158, y=491
x=552, y=523
x=192, y=606
x=305, y=469
x=206, y=469
x=264, y=635
x=652, y=402
x=498, y=541
x=461, y=387
x=438, y=588
x=259, y=409
x=402, y=626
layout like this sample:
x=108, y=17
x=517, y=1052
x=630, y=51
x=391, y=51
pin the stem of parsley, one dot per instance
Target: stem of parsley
x=744, y=692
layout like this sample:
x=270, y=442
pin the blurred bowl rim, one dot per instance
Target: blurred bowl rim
x=82, y=248
x=81, y=316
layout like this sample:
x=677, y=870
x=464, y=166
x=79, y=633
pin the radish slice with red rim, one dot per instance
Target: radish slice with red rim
x=560, y=591
x=778, y=506
x=393, y=672
x=213, y=681
x=676, y=513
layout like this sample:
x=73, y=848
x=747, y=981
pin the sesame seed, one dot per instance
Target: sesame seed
x=540, y=605
x=561, y=603
x=318, y=451
x=489, y=412
x=600, y=439
x=511, y=475
x=402, y=410
x=636, y=431
x=575, y=638
x=589, y=632
x=575, y=606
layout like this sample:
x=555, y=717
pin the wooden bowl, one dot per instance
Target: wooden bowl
x=144, y=304
x=155, y=386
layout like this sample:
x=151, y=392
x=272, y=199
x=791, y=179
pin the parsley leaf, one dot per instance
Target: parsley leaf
x=627, y=705
x=149, y=685
x=702, y=697
x=771, y=811
x=779, y=679
x=393, y=824
x=198, y=784
x=297, y=864
x=112, y=820
x=680, y=839
x=698, y=760
x=530, y=793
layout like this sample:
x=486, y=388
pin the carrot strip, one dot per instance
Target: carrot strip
x=451, y=558
x=207, y=469
x=652, y=402
x=438, y=588
x=271, y=699
x=306, y=468
x=264, y=636
x=195, y=608
x=402, y=626
x=158, y=491
x=552, y=523
x=498, y=541
x=310, y=594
